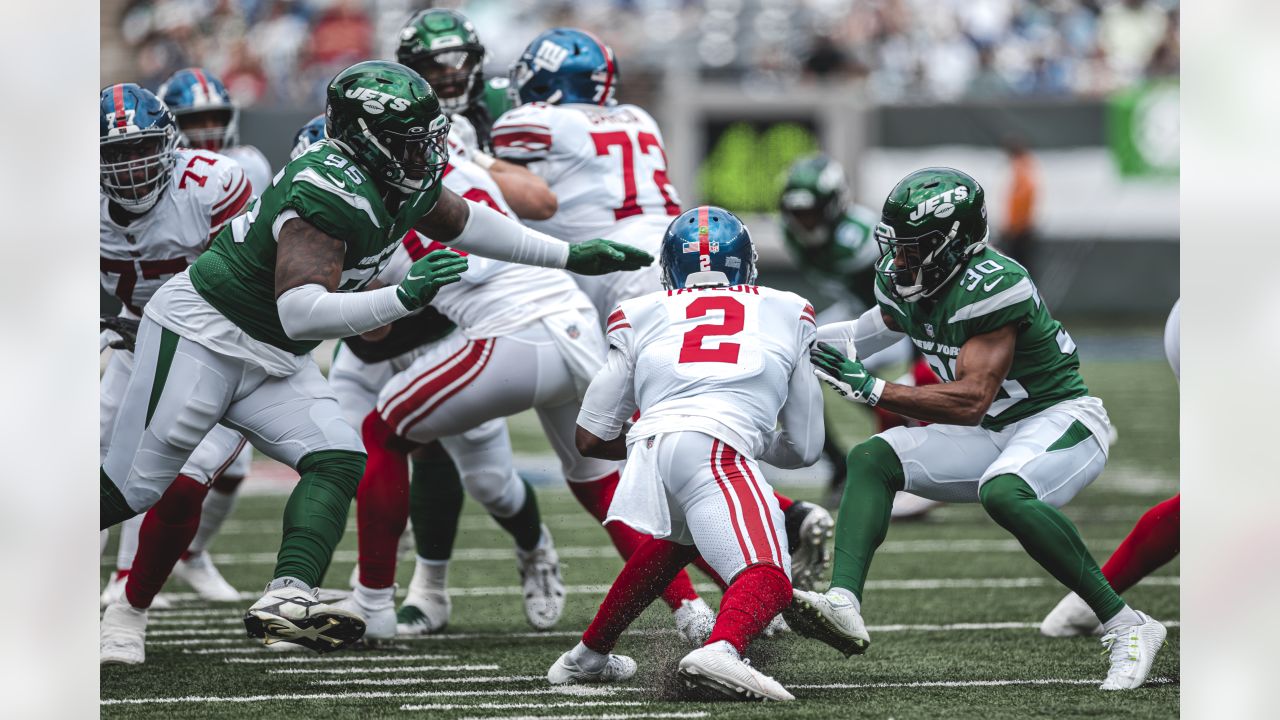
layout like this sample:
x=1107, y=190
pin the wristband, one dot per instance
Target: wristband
x=877, y=388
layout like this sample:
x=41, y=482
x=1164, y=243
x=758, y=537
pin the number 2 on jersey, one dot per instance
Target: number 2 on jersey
x=644, y=143
x=692, y=351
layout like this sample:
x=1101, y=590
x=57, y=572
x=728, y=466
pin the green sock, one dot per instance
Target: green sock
x=112, y=508
x=435, y=503
x=525, y=526
x=875, y=474
x=1051, y=540
x=316, y=514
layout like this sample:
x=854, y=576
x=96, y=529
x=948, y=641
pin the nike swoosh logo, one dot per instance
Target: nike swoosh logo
x=411, y=276
x=859, y=376
x=991, y=284
x=227, y=185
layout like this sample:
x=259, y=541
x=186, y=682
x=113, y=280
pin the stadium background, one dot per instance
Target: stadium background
x=740, y=87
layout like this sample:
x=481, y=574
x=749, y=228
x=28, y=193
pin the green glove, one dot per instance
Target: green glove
x=429, y=274
x=597, y=257
x=845, y=375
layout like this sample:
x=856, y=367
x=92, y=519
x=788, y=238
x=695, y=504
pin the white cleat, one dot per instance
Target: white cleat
x=809, y=527
x=1071, y=617
x=776, y=626
x=565, y=671
x=114, y=592
x=543, y=587
x=123, y=635
x=911, y=507
x=1132, y=651
x=423, y=613
x=291, y=614
x=199, y=572
x=379, y=620
x=830, y=618
x=719, y=668
x=694, y=621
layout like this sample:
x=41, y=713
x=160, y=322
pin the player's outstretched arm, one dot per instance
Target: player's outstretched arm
x=609, y=402
x=982, y=365
x=798, y=442
x=484, y=231
x=309, y=268
x=872, y=332
x=527, y=193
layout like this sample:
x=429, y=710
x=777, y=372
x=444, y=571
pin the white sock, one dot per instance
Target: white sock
x=848, y=595
x=728, y=647
x=588, y=659
x=128, y=542
x=1128, y=617
x=432, y=575
x=374, y=598
x=217, y=506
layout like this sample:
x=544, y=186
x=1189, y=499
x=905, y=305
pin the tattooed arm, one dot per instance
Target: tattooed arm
x=308, y=270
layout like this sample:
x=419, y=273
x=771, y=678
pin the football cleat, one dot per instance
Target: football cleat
x=199, y=572
x=123, y=635
x=718, y=667
x=694, y=621
x=1069, y=618
x=830, y=618
x=1132, y=649
x=543, y=587
x=809, y=527
x=379, y=620
x=291, y=614
x=565, y=671
x=776, y=626
x=423, y=613
x=114, y=592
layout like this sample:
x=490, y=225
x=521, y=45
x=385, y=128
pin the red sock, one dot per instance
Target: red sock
x=753, y=598
x=784, y=502
x=1152, y=543
x=649, y=569
x=382, y=503
x=167, y=530
x=705, y=567
x=595, y=496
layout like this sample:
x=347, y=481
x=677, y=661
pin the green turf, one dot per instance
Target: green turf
x=956, y=543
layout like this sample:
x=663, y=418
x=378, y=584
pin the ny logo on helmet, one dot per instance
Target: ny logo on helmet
x=941, y=205
x=376, y=102
x=550, y=56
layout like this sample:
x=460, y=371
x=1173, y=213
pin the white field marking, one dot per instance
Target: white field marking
x=265, y=526
x=193, y=622
x=215, y=612
x=518, y=706
x=188, y=632
x=614, y=716
x=434, y=681
x=345, y=658
x=572, y=690
x=966, y=683
x=381, y=670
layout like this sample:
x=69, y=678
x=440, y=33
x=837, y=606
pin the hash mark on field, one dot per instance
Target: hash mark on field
x=616, y=716
x=371, y=695
x=481, y=679
x=371, y=670
x=330, y=659
x=967, y=683
x=518, y=706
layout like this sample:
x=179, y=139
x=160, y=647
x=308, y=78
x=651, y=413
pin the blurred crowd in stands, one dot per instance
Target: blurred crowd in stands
x=282, y=52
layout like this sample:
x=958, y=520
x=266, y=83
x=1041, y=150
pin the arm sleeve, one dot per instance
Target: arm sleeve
x=491, y=234
x=798, y=443
x=868, y=334
x=309, y=312
x=610, y=399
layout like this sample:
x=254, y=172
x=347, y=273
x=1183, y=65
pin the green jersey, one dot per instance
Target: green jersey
x=993, y=291
x=323, y=186
x=846, y=264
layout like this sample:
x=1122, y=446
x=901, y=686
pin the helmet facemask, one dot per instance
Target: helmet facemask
x=810, y=223
x=920, y=266
x=134, y=169
x=410, y=162
x=455, y=75
x=209, y=129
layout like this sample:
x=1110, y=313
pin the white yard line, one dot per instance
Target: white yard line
x=612, y=716
x=965, y=683
x=577, y=691
x=479, y=679
x=382, y=670
x=521, y=706
x=343, y=658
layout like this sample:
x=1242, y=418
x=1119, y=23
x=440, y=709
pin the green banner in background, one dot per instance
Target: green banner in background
x=1142, y=129
x=746, y=165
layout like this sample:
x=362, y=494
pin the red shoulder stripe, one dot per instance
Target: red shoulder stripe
x=231, y=210
x=615, y=316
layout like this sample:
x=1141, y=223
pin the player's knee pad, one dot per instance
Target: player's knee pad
x=874, y=461
x=500, y=491
x=340, y=470
x=1005, y=497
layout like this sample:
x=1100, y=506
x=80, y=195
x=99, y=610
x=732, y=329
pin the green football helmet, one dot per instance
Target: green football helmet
x=813, y=199
x=387, y=117
x=443, y=46
x=933, y=221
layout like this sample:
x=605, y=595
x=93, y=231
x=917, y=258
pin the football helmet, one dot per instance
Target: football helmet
x=707, y=246
x=933, y=221
x=442, y=45
x=307, y=135
x=136, y=142
x=813, y=199
x=206, y=115
x=387, y=117
x=564, y=65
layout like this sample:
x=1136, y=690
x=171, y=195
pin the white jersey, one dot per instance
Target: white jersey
x=255, y=165
x=606, y=166
x=494, y=298
x=206, y=191
x=719, y=360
